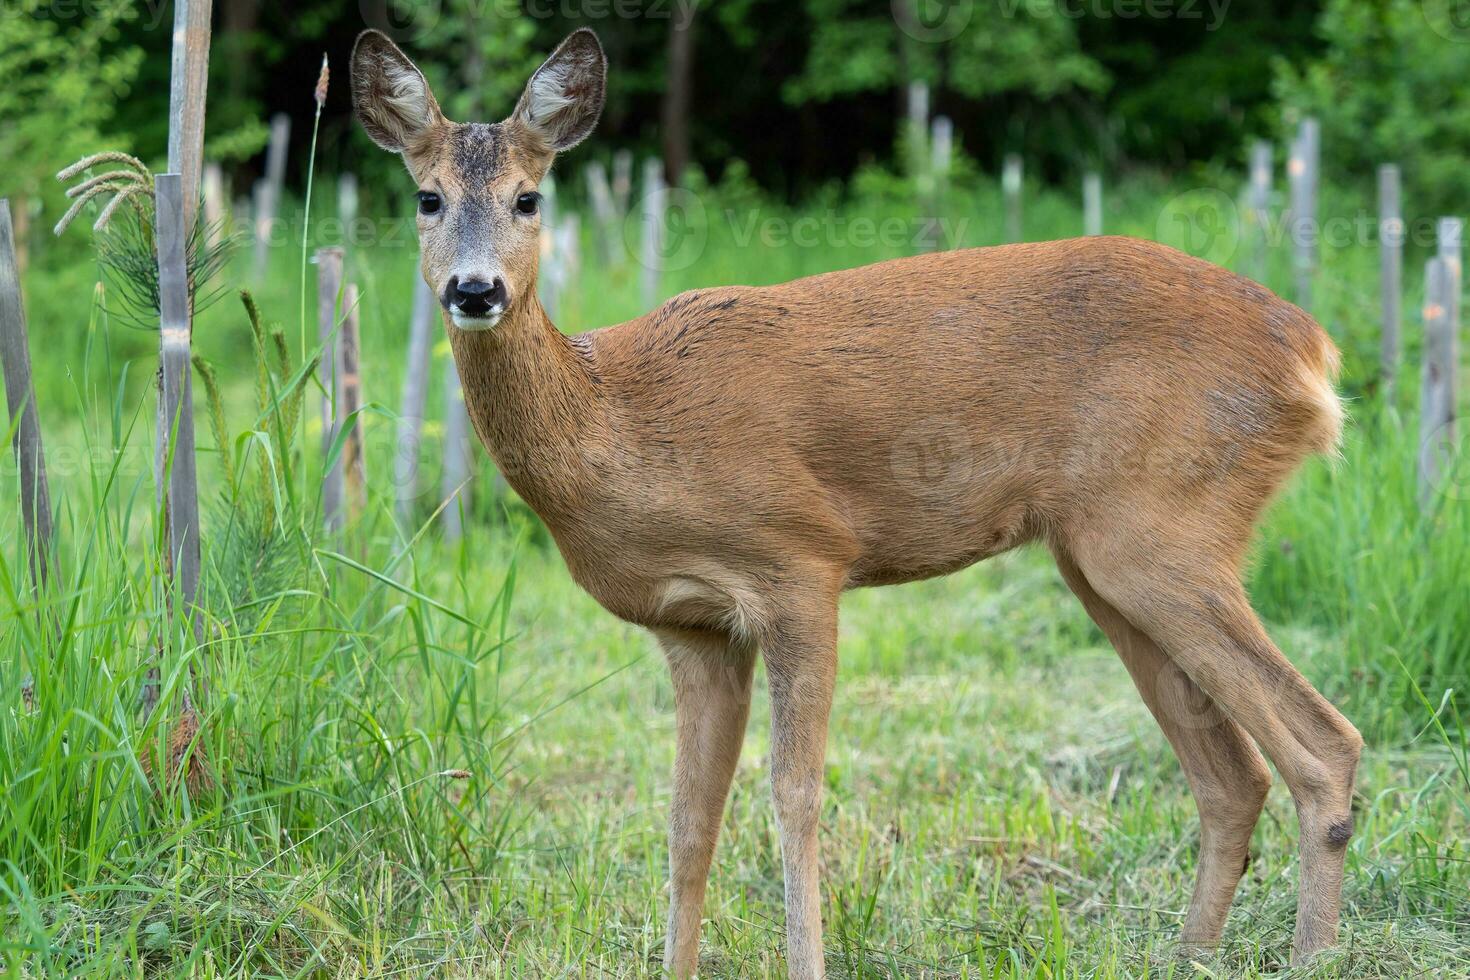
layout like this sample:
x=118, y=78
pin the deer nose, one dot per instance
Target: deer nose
x=475, y=297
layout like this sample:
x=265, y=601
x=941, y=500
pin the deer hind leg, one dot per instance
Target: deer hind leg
x=1225, y=770
x=1192, y=604
x=712, y=678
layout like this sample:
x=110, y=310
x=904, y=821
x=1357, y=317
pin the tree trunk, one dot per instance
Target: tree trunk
x=678, y=85
x=239, y=20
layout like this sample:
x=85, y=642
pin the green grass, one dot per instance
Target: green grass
x=445, y=760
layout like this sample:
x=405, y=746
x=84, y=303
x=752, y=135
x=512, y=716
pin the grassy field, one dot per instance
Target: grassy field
x=422, y=758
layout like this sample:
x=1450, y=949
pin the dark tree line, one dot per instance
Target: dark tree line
x=802, y=91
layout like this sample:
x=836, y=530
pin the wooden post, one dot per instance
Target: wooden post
x=456, y=453
x=567, y=242
x=653, y=229
x=622, y=180
x=187, y=91
x=415, y=391
x=1012, y=176
x=1390, y=269
x=599, y=192
x=20, y=235
x=328, y=287
x=1451, y=233
x=551, y=272
x=347, y=198
x=941, y=162
x=354, y=465
x=916, y=134
x=1260, y=204
x=1437, y=395
x=941, y=139
x=20, y=400
x=268, y=190
x=1305, y=157
x=1092, y=204
x=178, y=391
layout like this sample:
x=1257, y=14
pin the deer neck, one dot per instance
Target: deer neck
x=530, y=392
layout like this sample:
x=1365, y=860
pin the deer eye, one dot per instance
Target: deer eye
x=528, y=203
x=429, y=202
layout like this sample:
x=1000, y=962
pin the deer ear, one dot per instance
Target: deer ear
x=563, y=99
x=389, y=94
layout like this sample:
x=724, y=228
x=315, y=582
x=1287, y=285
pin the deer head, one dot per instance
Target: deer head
x=479, y=210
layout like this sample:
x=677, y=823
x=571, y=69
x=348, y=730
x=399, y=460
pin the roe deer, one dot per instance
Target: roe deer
x=721, y=469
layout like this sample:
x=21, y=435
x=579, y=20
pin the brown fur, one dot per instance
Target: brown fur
x=721, y=469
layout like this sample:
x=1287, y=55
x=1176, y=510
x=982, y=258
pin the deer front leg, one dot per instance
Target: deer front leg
x=711, y=676
x=801, y=666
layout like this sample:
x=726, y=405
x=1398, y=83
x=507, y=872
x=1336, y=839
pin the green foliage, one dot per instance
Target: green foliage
x=1353, y=549
x=126, y=240
x=64, y=76
x=1389, y=87
x=1002, y=46
x=238, y=144
x=278, y=398
x=493, y=49
x=352, y=686
x=354, y=726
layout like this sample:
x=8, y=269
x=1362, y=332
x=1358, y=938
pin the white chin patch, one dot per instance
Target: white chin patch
x=475, y=322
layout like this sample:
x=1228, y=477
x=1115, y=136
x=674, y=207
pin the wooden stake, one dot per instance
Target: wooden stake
x=1437, y=394
x=178, y=389
x=20, y=400
x=599, y=192
x=268, y=190
x=455, y=488
x=917, y=132
x=354, y=464
x=1260, y=203
x=328, y=288
x=347, y=198
x=569, y=245
x=941, y=161
x=1390, y=270
x=347, y=213
x=551, y=279
x=941, y=143
x=622, y=180
x=1011, y=179
x=1451, y=232
x=20, y=235
x=653, y=229
x=1305, y=159
x=1092, y=204
x=187, y=90
x=415, y=391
